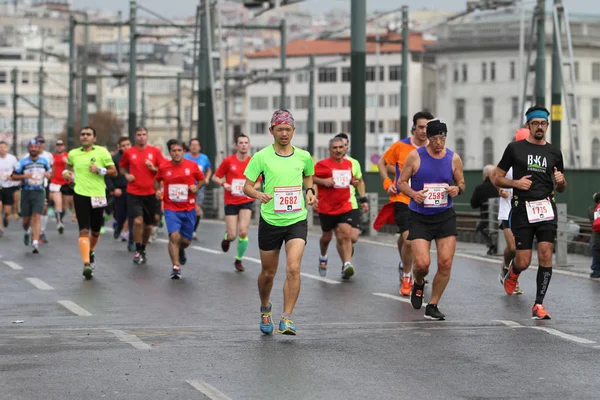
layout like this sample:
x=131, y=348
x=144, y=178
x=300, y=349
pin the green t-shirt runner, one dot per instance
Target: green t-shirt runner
x=282, y=179
x=88, y=183
x=356, y=173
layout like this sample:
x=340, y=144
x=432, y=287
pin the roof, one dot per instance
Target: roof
x=325, y=47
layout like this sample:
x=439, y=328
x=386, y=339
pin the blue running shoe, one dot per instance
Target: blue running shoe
x=266, y=320
x=27, y=238
x=286, y=327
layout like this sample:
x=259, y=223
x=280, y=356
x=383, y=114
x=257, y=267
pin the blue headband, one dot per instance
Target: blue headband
x=537, y=114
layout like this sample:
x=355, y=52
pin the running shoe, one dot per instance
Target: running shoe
x=286, y=327
x=225, y=245
x=27, y=238
x=87, y=271
x=323, y=266
x=36, y=249
x=92, y=260
x=1, y=232
x=238, y=265
x=539, y=312
x=182, y=257
x=137, y=257
x=176, y=272
x=406, y=286
x=194, y=237
x=266, y=320
x=144, y=257
x=60, y=228
x=5, y=221
x=432, y=312
x=131, y=247
x=416, y=297
x=518, y=290
x=124, y=236
x=347, y=271
x=117, y=229
x=511, y=281
x=43, y=238
x=154, y=233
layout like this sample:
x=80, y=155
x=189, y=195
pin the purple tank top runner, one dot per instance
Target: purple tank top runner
x=434, y=175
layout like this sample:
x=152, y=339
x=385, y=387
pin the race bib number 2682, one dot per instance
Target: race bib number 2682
x=288, y=199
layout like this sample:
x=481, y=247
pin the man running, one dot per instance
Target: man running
x=432, y=170
x=285, y=170
x=238, y=206
x=142, y=161
x=33, y=170
x=205, y=166
x=333, y=177
x=392, y=162
x=182, y=179
x=61, y=191
x=48, y=202
x=117, y=187
x=8, y=187
x=90, y=163
x=537, y=171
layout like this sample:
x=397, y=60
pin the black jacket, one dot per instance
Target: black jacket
x=481, y=195
x=119, y=181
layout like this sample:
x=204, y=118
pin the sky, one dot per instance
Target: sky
x=182, y=8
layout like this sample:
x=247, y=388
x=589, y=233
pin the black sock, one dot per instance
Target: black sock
x=197, y=222
x=543, y=280
x=143, y=247
x=138, y=247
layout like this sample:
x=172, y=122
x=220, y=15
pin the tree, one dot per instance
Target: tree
x=108, y=129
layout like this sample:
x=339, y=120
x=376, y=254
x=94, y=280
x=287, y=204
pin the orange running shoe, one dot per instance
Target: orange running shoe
x=406, y=286
x=510, y=282
x=539, y=312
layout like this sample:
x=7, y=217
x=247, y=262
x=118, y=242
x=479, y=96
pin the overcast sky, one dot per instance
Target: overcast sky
x=187, y=7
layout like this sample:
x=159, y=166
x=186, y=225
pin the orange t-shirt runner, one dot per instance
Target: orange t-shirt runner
x=232, y=169
x=334, y=200
x=60, y=161
x=177, y=179
x=135, y=159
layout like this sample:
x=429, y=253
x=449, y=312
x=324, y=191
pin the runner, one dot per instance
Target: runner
x=142, y=161
x=61, y=191
x=8, y=187
x=333, y=178
x=48, y=202
x=238, y=206
x=392, y=162
x=431, y=171
x=182, y=179
x=535, y=163
x=33, y=170
x=117, y=187
x=285, y=169
x=206, y=168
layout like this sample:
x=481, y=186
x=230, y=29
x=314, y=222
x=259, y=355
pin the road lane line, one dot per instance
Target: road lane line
x=206, y=250
x=13, y=265
x=40, y=284
x=74, y=308
x=391, y=296
x=130, y=339
x=252, y=259
x=562, y=335
x=318, y=278
x=209, y=391
x=511, y=324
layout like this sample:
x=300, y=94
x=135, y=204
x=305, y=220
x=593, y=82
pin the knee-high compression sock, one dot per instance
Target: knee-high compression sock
x=84, y=248
x=241, y=247
x=543, y=280
x=44, y=222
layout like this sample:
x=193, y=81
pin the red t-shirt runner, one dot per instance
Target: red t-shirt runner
x=334, y=200
x=60, y=161
x=177, y=179
x=233, y=170
x=135, y=159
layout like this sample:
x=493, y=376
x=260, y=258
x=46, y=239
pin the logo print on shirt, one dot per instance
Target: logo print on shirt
x=149, y=156
x=133, y=156
x=233, y=168
x=536, y=163
x=168, y=173
x=187, y=171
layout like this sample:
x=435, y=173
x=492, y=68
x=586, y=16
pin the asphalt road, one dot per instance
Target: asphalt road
x=133, y=333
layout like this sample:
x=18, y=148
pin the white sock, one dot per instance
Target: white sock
x=44, y=222
x=406, y=275
x=35, y=243
x=347, y=263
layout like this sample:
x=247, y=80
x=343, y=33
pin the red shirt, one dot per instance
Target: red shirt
x=60, y=161
x=135, y=159
x=334, y=200
x=177, y=179
x=233, y=170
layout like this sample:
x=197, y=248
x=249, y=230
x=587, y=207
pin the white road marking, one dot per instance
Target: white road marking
x=40, y=284
x=391, y=296
x=318, y=278
x=13, y=265
x=208, y=390
x=74, y=308
x=511, y=324
x=204, y=249
x=130, y=339
x=252, y=259
x=551, y=331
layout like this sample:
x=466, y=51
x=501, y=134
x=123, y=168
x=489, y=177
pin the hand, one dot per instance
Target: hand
x=68, y=175
x=159, y=194
x=420, y=196
x=227, y=186
x=365, y=207
x=93, y=168
x=558, y=177
x=264, y=197
x=206, y=181
x=524, y=183
x=48, y=175
x=117, y=192
x=129, y=177
x=392, y=189
x=505, y=194
x=354, y=182
x=28, y=175
x=311, y=199
x=150, y=165
x=452, y=191
x=194, y=188
x=329, y=182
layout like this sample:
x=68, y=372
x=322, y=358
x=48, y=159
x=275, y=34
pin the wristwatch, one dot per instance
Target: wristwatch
x=311, y=189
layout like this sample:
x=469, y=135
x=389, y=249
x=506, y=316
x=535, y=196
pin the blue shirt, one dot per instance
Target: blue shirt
x=38, y=168
x=202, y=161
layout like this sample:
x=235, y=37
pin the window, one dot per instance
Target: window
x=595, y=108
x=576, y=68
x=345, y=126
x=493, y=71
x=329, y=101
x=513, y=70
x=238, y=105
x=596, y=72
x=595, y=152
x=187, y=114
x=259, y=103
x=394, y=126
x=328, y=74
x=465, y=73
x=322, y=153
x=483, y=71
x=326, y=127
x=488, y=109
x=394, y=100
x=25, y=78
x=460, y=148
x=346, y=77
x=3, y=100
x=381, y=73
x=168, y=115
x=370, y=74
x=2, y=76
x=459, y=112
x=395, y=73
x=346, y=100
x=488, y=151
x=301, y=127
x=237, y=130
x=286, y=106
x=371, y=126
x=514, y=107
x=301, y=102
x=455, y=74
x=258, y=128
x=381, y=100
x=371, y=101
x=302, y=76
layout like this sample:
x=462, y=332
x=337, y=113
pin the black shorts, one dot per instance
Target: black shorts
x=401, y=215
x=88, y=217
x=504, y=224
x=234, y=209
x=271, y=237
x=330, y=222
x=67, y=190
x=143, y=206
x=7, y=195
x=524, y=231
x=430, y=227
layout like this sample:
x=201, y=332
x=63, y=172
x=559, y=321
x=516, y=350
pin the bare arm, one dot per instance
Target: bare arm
x=383, y=171
x=411, y=165
x=111, y=171
x=217, y=180
x=208, y=174
x=320, y=181
x=499, y=179
x=458, y=175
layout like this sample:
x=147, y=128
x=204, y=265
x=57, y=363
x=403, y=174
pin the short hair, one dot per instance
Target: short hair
x=140, y=128
x=195, y=140
x=537, y=107
x=3, y=142
x=335, y=139
x=422, y=115
x=123, y=139
x=90, y=128
x=342, y=135
x=597, y=197
x=241, y=135
x=175, y=142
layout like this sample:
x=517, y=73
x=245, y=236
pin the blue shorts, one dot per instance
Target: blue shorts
x=181, y=221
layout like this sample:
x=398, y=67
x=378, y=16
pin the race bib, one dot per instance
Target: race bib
x=436, y=195
x=99, y=202
x=178, y=193
x=288, y=199
x=54, y=187
x=4, y=175
x=36, y=180
x=341, y=178
x=539, y=211
x=237, y=187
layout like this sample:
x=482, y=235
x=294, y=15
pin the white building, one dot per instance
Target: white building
x=478, y=85
x=332, y=91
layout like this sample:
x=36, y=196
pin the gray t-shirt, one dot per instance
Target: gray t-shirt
x=7, y=166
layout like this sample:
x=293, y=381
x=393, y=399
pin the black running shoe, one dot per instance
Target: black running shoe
x=144, y=258
x=225, y=245
x=432, y=312
x=416, y=297
x=92, y=260
x=5, y=221
x=176, y=272
x=117, y=231
x=182, y=257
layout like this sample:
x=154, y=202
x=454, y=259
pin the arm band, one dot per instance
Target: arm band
x=101, y=171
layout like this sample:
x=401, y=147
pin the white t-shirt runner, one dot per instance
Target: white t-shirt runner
x=7, y=166
x=504, y=204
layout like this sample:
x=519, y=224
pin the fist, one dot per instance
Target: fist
x=558, y=176
x=420, y=196
x=264, y=198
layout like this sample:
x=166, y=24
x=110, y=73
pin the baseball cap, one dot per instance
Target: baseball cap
x=436, y=127
x=60, y=141
x=40, y=139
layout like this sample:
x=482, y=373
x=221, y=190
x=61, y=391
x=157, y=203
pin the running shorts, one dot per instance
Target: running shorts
x=434, y=226
x=7, y=195
x=88, y=218
x=234, y=209
x=330, y=222
x=32, y=202
x=272, y=237
x=143, y=206
x=181, y=222
x=401, y=216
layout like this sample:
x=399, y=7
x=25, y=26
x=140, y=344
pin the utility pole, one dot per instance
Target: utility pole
x=194, y=68
x=206, y=124
x=178, y=99
x=557, y=109
x=71, y=106
x=358, y=39
x=84, y=65
x=143, y=116
x=132, y=69
x=41, y=101
x=226, y=109
x=404, y=75
x=283, y=56
x=311, y=105
x=15, y=98
x=540, y=67
x=202, y=114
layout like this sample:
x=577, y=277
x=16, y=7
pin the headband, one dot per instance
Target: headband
x=282, y=117
x=537, y=114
